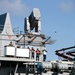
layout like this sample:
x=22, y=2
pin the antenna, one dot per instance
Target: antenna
x=33, y=22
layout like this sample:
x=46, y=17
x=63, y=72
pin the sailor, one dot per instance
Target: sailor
x=11, y=44
x=44, y=54
x=32, y=51
x=18, y=46
x=29, y=52
x=37, y=54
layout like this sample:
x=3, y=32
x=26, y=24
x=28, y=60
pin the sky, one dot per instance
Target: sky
x=57, y=20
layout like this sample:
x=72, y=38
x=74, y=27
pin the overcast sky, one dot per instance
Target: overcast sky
x=57, y=17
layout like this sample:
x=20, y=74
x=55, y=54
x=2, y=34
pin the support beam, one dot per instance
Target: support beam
x=16, y=68
x=27, y=69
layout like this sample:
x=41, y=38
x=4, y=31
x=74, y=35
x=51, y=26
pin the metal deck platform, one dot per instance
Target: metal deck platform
x=16, y=59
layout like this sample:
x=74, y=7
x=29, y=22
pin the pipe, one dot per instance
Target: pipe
x=64, y=56
x=65, y=49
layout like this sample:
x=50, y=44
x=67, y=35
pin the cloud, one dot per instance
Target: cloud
x=15, y=7
x=67, y=6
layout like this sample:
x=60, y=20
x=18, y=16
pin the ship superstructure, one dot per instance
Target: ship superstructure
x=25, y=54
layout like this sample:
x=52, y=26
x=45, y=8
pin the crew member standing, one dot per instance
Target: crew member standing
x=29, y=52
x=10, y=44
x=44, y=54
x=37, y=54
x=32, y=51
